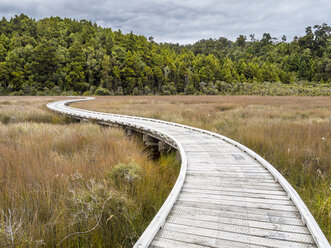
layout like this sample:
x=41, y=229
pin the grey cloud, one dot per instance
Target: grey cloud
x=184, y=21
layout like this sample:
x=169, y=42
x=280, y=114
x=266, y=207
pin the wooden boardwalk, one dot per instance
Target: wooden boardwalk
x=225, y=195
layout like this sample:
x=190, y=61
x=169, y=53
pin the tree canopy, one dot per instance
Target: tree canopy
x=65, y=56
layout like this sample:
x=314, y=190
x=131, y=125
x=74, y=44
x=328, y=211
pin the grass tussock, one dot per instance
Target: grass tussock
x=76, y=185
x=292, y=133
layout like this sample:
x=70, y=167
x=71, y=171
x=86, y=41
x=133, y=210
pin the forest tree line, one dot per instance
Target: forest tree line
x=64, y=56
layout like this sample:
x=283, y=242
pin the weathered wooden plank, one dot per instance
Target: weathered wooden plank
x=268, y=241
x=225, y=170
x=269, y=217
x=189, y=143
x=244, y=228
x=238, y=208
x=228, y=156
x=246, y=204
x=235, y=193
x=254, y=180
x=202, y=240
x=231, y=179
x=219, y=161
x=203, y=146
x=233, y=169
x=224, y=157
x=228, y=167
x=229, y=176
x=241, y=219
x=233, y=183
x=236, y=198
x=233, y=153
x=218, y=152
x=168, y=243
x=230, y=188
x=240, y=173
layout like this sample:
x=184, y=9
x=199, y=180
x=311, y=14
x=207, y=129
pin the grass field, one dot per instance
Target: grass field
x=292, y=133
x=66, y=184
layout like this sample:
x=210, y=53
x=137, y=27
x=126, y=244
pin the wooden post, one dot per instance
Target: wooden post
x=83, y=120
x=178, y=157
x=152, y=144
x=163, y=147
x=129, y=132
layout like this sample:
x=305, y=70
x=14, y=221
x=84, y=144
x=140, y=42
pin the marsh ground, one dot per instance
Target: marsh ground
x=73, y=185
x=292, y=133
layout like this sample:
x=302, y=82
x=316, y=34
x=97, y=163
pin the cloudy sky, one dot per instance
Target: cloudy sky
x=184, y=21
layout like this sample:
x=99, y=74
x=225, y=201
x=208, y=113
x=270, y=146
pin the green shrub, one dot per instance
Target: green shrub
x=102, y=91
x=123, y=175
x=5, y=119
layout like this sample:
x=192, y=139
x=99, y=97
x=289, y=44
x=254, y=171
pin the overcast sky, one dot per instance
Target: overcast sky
x=184, y=21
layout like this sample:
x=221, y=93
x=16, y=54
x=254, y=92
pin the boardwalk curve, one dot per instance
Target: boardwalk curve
x=226, y=195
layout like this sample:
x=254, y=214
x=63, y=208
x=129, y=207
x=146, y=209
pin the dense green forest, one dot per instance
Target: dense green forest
x=65, y=56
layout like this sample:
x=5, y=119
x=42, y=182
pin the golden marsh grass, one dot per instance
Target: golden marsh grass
x=74, y=185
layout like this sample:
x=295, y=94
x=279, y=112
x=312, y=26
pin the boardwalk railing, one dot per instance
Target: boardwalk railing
x=158, y=130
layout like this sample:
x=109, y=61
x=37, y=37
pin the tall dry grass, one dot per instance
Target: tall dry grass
x=75, y=185
x=292, y=133
x=29, y=109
